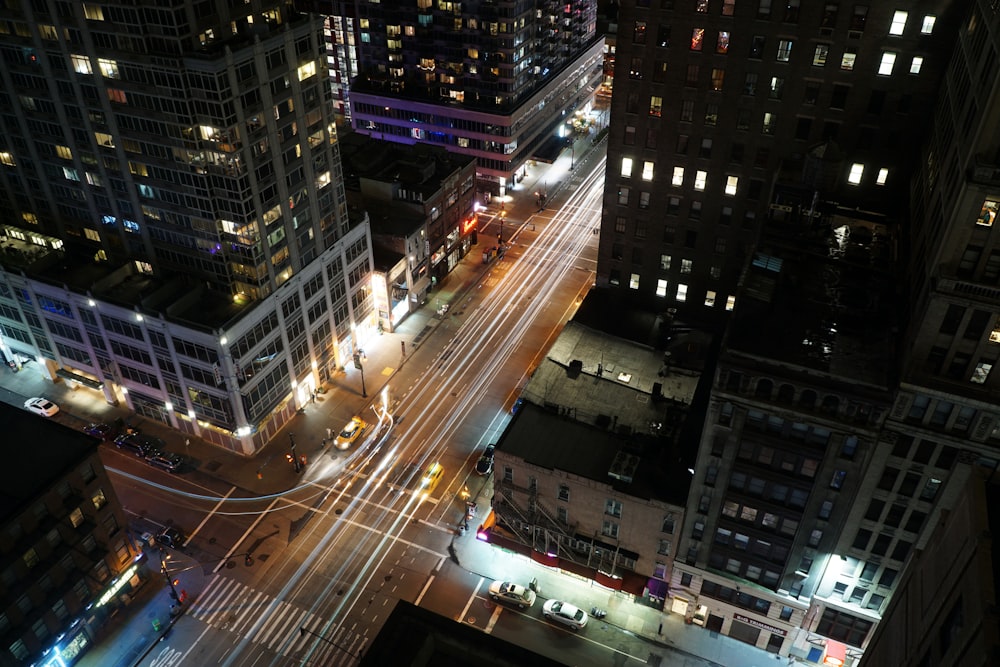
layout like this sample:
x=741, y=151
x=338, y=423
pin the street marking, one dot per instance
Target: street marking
x=493, y=619
x=475, y=594
x=209, y=516
x=423, y=590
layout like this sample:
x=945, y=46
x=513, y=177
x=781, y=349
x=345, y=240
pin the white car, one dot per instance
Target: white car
x=563, y=612
x=504, y=591
x=41, y=406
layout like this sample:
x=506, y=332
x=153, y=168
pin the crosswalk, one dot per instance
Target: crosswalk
x=230, y=605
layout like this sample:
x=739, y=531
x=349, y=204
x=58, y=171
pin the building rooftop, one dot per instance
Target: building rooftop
x=818, y=292
x=414, y=636
x=592, y=402
x=418, y=168
x=29, y=470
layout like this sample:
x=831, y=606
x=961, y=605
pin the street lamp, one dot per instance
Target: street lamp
x=360, y=367
x=503, y=216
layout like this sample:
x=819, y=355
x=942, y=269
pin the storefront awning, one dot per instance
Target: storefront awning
x=82, y=379
x=545, y=559
x=836, y=653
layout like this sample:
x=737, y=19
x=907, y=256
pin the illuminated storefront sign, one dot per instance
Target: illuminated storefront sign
x=757, y=624
x=836, y=653
x=117, y=585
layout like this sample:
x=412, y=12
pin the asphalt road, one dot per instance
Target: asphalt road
x=331, y=557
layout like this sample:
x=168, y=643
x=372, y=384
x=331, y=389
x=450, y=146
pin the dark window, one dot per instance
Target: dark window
x=875, y=508
x=952, y=318
x=881, y=545
x=946, y=458
x=862, y=539
x=888, y=479
x=757, y=47
x=909, y=485
x=690, y=239
x=802, y=128
x=876, y=101
x=915, y=522
x=924, y=451
x=895, y=515
x=977, y=324
x=901, y=550
x=839, y=98
x=811, y=95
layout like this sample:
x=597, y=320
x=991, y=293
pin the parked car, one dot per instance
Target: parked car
x=102, y=431
x=563, y=612
x=41, y=406
x=170, y=537
x=431, y=478
x=351, y=431
x=164, y=460
x=505, y=591
x=139, y=444
x=484, y=466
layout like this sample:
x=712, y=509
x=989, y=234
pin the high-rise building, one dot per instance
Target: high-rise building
x=67, y=563
x=803, y=386
x=172, y=204
x=717, y=100
x=493, y=79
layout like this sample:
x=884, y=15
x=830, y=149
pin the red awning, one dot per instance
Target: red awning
x=545, y=559
x=634, y=583
x=608, y=581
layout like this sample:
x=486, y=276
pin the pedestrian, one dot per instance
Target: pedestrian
x=329, y=433
x=187, y=443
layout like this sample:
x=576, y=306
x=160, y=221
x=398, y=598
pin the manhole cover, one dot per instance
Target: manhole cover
x=472, y=620
x=338, y=511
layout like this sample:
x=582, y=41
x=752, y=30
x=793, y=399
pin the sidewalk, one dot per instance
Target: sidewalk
x=692, y=645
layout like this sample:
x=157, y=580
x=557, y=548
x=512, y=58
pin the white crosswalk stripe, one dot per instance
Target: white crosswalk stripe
x=230, y=605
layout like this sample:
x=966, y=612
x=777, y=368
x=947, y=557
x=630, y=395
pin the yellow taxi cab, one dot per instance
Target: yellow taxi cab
x=431, y=478
x=350, y=433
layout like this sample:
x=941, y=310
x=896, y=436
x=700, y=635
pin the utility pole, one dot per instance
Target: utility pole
x=291, y=456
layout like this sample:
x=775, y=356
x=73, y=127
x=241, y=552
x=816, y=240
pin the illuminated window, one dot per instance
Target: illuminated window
x=898, y=24
x=731, y=183
x=647, y=171
x=847, y=60
x=730, y=302
x=117, y=95
x=307, y=70
x=64, y=152
x=722, y=42
x=686, y=266
x=661, y=287
x=718, y=76
x=981, y=372
x=883, y=174
x=699, y=179
x=655, y=105
x=109, y=68
x=856, y=171
x=7, y=159
x=989, y=213
x=927, y=25
x=81, y=64
x=93, y=12
x=888, y=60
x=710, y=298
x=665, y=262
x=682, y=292
x=784, y=50
x=678, y=178
x=820, y=54
x=916, y=64
x=770, y=121
x=71, y=174
x=633, y=281
x=697, y=38
x=995, y=334
x=627, y=167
